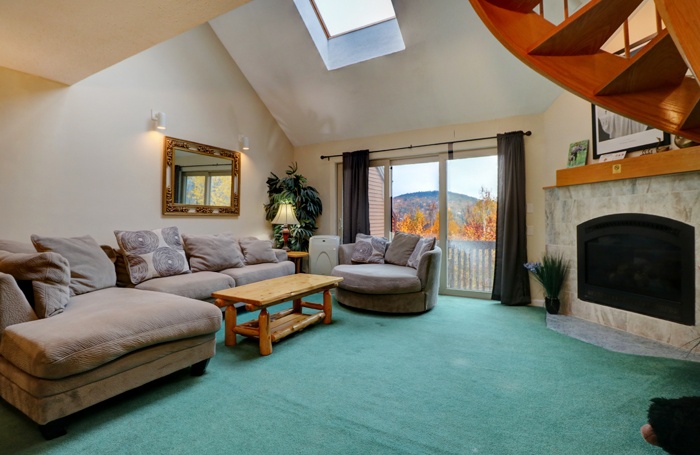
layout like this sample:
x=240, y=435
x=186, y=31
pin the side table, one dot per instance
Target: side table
x=297, y=257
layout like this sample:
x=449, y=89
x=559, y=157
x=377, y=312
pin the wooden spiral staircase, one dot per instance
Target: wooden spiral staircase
x=653, y=86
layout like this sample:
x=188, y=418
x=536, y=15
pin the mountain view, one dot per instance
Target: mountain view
x=427, y=202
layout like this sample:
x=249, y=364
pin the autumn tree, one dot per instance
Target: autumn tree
x=412, y=224
x=220, y=190
x=480, y=219
x=195, y=189
x=419, y=224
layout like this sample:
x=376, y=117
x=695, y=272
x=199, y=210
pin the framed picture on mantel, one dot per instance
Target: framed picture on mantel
x=578, y=153
x=614, y=133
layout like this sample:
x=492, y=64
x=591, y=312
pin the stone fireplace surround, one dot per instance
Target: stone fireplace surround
x=675, y=196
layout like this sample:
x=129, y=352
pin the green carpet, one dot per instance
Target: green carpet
x=468, y=377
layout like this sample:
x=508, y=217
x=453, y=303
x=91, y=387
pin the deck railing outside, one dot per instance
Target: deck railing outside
x=470, y=265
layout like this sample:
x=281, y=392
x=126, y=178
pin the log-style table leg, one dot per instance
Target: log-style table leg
x=264, y=327
x=229, y=325
x=296, y=305
x=327, y=306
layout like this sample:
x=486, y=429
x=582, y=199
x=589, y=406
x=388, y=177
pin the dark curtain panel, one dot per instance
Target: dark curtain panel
x=511, y=284
x=355, y=197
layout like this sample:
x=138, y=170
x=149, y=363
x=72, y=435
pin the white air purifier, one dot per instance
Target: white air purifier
x=323, y=254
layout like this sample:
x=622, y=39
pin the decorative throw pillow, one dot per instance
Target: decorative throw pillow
x=90, y=267
x=49, y=274
x=257, y=251
x=423, y=246
x=369, y=249
x=401, y=248
x=213, y=252
x=152, y=254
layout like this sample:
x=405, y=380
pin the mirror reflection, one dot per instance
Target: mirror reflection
x=200, y=179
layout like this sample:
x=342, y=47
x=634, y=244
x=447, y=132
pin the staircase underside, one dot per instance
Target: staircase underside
x=652, y=87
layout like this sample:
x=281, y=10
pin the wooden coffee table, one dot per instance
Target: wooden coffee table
x=258, y=296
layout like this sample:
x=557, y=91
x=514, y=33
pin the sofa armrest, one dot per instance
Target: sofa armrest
x=280, y=254
x=14, y=307
x=429, y=270
x=345, y=253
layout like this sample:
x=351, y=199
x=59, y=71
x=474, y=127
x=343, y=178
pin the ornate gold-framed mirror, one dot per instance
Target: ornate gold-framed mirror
x=199, y=179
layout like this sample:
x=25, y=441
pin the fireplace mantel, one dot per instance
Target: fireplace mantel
x=671, y=162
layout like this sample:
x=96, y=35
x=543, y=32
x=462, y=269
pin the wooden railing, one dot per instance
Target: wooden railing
x=470, y=265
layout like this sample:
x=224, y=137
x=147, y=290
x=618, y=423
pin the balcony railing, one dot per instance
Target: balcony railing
x=470, y=265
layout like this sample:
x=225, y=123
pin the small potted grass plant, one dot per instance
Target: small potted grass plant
x=550, y=273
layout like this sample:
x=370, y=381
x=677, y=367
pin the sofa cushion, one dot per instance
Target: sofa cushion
x=213, y=252
x=90, y=267
x=259, y=272
x=49, y=274
x=377, y=278
x=151, y=254
x=102, y=326
x=14, y=307
x=16, y=247
x=257, y=251
x=422, y=246
x=400, y=248
x=369, y=249
x=198, y=285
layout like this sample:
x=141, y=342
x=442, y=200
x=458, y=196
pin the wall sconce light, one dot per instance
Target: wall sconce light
x=159, y=119
x=244, y=142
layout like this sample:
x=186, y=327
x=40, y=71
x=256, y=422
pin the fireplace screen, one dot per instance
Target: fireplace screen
x=640, y=263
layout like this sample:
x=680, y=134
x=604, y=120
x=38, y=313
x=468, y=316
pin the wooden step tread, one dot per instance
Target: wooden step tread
x=643, y=71
x=586, y=30
x=522, y=6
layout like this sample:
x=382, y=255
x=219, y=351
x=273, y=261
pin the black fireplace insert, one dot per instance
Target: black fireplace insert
x=638, y=262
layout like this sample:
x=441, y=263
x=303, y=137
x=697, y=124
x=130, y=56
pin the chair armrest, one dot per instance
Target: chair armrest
x=429, y=269
x=345, y=253
x=14, y=307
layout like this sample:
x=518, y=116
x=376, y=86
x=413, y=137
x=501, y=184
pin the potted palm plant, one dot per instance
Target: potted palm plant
x=550, y=273
x=305, y=199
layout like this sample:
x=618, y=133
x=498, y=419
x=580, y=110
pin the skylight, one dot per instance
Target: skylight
x=347, y=32
x=339, y=17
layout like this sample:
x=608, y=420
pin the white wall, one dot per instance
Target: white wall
x=85, y=159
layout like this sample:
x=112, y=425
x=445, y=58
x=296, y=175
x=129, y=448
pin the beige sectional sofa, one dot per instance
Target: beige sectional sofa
x=70, y=337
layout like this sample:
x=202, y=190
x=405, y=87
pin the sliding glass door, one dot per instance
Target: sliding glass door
x=453, y=200
x=471, y=223
x=415, y=190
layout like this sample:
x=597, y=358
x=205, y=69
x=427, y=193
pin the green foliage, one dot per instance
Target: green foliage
x=550, y=273
x=307, y=206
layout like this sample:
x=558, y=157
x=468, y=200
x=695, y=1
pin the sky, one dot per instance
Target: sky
x=465, y=176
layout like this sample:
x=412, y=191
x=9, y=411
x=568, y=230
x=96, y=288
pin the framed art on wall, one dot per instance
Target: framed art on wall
x=615, y=133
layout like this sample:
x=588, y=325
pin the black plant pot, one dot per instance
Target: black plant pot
x=552, y=304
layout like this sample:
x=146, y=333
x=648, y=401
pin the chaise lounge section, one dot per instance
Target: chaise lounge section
x=70, y=337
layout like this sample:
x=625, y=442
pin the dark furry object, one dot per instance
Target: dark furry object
x=676, y=423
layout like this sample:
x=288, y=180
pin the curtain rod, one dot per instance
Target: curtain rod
x=328, y=157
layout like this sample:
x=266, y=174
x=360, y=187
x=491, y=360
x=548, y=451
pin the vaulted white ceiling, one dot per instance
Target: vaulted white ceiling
x=452, y=71
x=69, y=40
